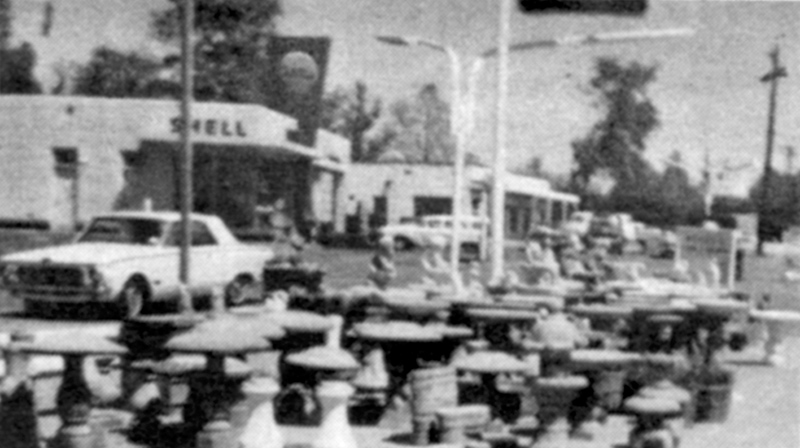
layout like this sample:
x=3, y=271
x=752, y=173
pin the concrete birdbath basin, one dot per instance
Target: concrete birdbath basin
x=780, y=325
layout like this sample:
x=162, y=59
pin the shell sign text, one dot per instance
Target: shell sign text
x=211, y=127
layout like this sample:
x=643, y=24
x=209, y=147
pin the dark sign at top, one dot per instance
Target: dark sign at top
x=295, y=81
x=614, y=7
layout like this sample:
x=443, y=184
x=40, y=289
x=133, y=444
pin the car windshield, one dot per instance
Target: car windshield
x=123, y=230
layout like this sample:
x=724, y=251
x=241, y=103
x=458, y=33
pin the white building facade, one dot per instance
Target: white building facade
x=64, y=159
x=392, y=192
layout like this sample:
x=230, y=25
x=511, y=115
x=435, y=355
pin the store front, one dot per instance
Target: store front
x=69, y=158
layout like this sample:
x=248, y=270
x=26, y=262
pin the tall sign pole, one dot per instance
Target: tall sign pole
x=187, y=74
x=772, y=78
x=499, y=173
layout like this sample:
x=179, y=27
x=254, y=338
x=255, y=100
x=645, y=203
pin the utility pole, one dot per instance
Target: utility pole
x=187, y=97
x=772, y=77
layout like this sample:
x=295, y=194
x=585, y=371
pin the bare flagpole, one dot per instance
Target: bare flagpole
x=187, y=73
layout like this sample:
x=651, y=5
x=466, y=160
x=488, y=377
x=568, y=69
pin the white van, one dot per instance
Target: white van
x=416, y=234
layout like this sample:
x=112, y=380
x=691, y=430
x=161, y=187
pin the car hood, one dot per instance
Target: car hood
x=84, y=253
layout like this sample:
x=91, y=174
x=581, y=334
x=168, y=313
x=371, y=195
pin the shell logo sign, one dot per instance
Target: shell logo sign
x=299, y=72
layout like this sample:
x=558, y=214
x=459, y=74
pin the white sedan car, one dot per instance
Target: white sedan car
x=420, y=233
x=132, y=259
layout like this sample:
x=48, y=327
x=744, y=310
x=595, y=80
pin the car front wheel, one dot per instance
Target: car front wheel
x=236, y=293
x=401, y=243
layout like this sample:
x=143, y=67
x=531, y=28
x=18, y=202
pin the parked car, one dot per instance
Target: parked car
x=604, y=232
x=407, y=235
x=578, y=223
x=655, y=242
x=131, y=260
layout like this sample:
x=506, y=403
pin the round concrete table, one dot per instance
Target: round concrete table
x=603, y=317
x=213, y=391
x=605, y=370
x=303, y=330
x=497, y=324
x=406, y=346
x=413, y=304
x=488, y=365
x=74, y=397
x=780, y=325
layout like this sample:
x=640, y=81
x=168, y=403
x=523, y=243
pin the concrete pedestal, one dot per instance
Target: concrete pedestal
x=261, y=430
x=335, y=431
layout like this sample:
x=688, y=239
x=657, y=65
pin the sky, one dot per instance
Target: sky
x=707, y=90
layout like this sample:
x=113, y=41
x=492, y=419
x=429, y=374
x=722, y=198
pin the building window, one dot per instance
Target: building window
x=66, y=161
x=131, y=158
x=65, y=156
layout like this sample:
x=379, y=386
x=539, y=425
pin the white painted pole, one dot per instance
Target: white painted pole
x=456, y=130
x=498, y=181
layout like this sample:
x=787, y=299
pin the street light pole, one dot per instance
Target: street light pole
x=498, y=177
x=187, y=69
x=457, y=129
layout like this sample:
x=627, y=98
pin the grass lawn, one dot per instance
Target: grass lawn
x=348, y=267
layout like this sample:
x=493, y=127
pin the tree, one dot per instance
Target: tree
x=231, y=38
x=418, y=128
x=535, y=168
x=782, y=209
x=351, y=113
x=618, y=139
x=110, y=73
x=681, y=203
x=17, y=70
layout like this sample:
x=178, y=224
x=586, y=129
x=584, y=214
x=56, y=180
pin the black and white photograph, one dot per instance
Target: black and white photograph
x=399, y=223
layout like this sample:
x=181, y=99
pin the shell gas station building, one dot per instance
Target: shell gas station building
x=64, y=159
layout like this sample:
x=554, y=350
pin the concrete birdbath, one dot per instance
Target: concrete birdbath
x=651, y=414
x=605, y=370
x=488, y=365
x=74, y=398
x=780, y=325
x=707, y=324
x=261, y=430
x=556, y=395
x=668, y=390
x=304, y=329
x=556, y=336
x=216, y=392
x=334, y=367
